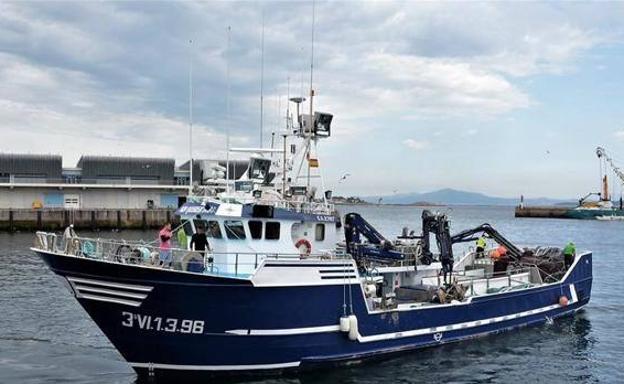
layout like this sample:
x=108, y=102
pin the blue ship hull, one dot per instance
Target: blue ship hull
x=171, y=323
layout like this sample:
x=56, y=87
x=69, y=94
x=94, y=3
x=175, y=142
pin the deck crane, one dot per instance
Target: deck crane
x=602, y=155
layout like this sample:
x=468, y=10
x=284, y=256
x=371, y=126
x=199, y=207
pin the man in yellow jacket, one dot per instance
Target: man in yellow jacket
x=481, y=244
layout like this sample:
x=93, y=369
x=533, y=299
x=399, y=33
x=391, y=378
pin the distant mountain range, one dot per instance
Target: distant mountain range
x=449, y=196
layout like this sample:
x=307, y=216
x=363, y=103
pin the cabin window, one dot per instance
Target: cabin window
x=255, y=229
x=199, y=224
x=188, y=228
x=272, y=231
x=213, y=230
x=295, y=232
x=234, y=229
x=319, y=233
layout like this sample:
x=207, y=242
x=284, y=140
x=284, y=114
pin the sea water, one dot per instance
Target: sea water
x=45, y=336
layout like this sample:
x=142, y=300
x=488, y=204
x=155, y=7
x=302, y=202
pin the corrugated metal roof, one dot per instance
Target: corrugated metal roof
x=115, y=166
x=49, y=166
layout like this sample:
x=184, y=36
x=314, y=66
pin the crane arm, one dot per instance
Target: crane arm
x=601, y=153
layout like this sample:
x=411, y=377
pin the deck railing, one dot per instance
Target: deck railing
x=237, y=264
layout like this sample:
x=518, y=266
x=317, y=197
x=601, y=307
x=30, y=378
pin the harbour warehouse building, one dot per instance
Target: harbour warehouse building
x=37, y=181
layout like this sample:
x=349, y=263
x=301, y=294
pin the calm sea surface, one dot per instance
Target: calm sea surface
x=46, y=337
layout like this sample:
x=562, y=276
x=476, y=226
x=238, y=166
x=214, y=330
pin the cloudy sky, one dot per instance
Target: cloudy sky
x=501, y=98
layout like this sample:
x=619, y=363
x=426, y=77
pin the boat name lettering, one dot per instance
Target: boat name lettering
x=324, y=218
x=161, y=324
x=191, y=209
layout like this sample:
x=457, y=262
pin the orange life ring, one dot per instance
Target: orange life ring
x=306, y=243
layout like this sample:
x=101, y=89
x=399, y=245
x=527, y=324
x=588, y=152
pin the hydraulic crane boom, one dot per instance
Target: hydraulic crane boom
x=601, y=153
x=468, y=235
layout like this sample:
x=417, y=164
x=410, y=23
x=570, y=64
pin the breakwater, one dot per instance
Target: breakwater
x=13, y=220
x=543, y=212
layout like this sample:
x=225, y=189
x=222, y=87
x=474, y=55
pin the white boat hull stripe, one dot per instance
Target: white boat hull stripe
x=217, y=367
x=110, y=300
x=395, y=335
x=573, y=293
x=83, y=288
x=453, y=327
x=131, y=287
x=284, y=332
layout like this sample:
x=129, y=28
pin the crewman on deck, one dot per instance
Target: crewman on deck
x=569, y=252
x=182, y=238
x=68, y=236
x=501, y=261
x=481, y=244
x=199, y=241
x=502, y=251
x=166, y=255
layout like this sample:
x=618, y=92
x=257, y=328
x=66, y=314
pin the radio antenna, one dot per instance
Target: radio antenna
x=190, y=117
x=262, y=84
x=310, y=128
x=227, y=114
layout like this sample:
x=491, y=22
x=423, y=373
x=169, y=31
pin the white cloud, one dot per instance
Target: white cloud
x=619, y=134
x=111, y=77
x=416, y=145
x=27, y=128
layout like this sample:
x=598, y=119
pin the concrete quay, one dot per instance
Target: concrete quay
x=57, y=219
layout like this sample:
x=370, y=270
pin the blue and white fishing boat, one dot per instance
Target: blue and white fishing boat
x=288, y=284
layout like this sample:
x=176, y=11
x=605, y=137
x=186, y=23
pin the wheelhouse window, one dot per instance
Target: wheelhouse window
x=272, y=231
x=199, y=224
x=319, y=233
x=188, y=228
x=255, y=229
x=213, y=230
x=234, y=229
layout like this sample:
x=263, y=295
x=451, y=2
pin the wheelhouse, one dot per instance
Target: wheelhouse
x=243, y=234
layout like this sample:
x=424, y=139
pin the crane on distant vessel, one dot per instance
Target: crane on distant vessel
x=603, y=195
x=603, y=156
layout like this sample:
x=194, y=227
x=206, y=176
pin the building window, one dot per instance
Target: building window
x=319, y=233
x=272, y=231
x=213, y=230
x=234, y=229
x=255, y=229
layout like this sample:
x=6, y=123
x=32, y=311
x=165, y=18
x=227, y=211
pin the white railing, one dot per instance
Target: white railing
x=237, y=264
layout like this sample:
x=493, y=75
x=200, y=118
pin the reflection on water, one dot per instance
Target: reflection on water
x=45, y=336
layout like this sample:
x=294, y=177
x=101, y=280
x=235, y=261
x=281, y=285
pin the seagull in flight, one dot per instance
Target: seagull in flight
x=344, y=177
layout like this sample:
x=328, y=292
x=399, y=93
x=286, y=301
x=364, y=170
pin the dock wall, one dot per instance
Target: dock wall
x=543, y=212
x=57, y=219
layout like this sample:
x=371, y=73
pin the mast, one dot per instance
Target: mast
x=310, y=126
x=227, y=114
x=284, y=166
x=262, y=84
x=288, y=105
x=190, y=117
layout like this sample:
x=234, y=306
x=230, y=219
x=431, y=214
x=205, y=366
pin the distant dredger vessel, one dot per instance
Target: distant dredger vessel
x=601, y=209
